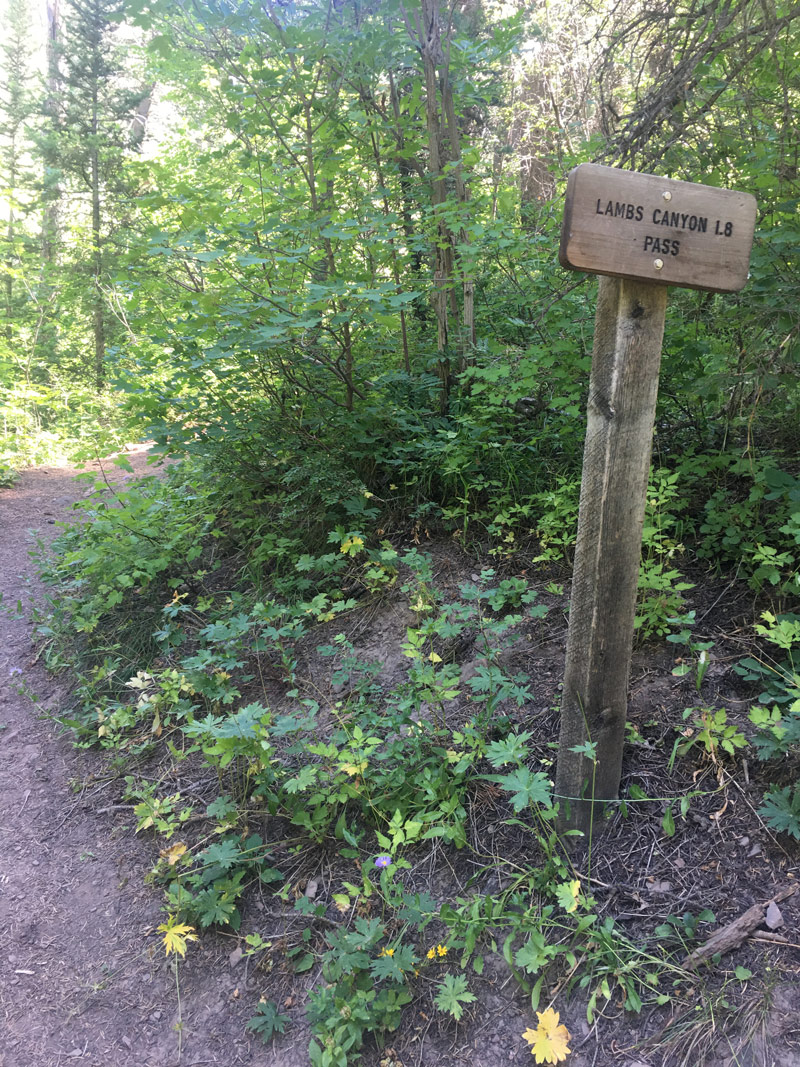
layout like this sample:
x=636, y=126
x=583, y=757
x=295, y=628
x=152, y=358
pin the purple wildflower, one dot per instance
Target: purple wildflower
x=383, y=861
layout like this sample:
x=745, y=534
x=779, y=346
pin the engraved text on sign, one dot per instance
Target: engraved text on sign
x=646, y=228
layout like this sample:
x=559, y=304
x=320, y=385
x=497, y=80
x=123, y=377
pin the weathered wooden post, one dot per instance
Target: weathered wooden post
x=642, y=233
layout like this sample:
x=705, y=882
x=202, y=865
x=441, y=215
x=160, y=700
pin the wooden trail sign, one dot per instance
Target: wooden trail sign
x=611, y=219
x=655, y=229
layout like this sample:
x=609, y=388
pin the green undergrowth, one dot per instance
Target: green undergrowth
x=180, y=661
x=56, y=423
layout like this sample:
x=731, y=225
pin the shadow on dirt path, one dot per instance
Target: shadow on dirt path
x=82, y=975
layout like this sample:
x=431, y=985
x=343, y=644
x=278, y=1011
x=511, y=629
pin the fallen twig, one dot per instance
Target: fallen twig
x=732, y=935
x=773, y=938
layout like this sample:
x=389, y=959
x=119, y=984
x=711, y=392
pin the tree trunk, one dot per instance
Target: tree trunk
x=51, y=192
x=431, y=51
x=97, y=247
x=468, y=287
x=10, y=232
x=138, y=127
x=97, y=271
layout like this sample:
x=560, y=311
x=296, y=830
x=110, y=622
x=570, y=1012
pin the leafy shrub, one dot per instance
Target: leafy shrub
x=8, y=475
x=778, y=726
x=781, y=810
x=127, y=550
x=751, y=516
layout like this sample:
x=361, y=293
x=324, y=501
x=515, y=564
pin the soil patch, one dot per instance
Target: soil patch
x=83, y=976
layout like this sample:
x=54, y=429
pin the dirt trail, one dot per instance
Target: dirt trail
x=82, y=976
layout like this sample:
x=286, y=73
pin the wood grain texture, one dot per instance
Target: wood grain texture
x=643, y=227
x=621, y=408
x=731, y=936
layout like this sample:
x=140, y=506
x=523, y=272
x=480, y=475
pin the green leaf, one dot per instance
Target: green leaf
x=527, y=788
x=418, y=909
x=453, y=995
x=781, y=809
x=224, y=853
x=161, y=46
x=305, y=778
x=221, y=807
x=394, y=967
x=668, y=822
x=535, y=953
x=303, y=963
x=267, y=1021
x=512, y=749
x=215, y=907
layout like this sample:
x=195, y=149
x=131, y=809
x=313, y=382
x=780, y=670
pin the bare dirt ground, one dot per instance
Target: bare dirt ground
x=82, y=974
x=83, y=978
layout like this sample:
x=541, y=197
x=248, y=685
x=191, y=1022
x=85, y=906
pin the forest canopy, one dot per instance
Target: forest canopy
x=332, y=227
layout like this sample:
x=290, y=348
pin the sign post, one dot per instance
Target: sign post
x=642, y=233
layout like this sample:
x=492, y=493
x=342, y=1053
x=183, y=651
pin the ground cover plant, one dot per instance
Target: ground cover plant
x=389, y=798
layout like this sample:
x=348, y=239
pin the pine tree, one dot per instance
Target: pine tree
x=94, y=131
x=48, y=140
x=17, y=109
